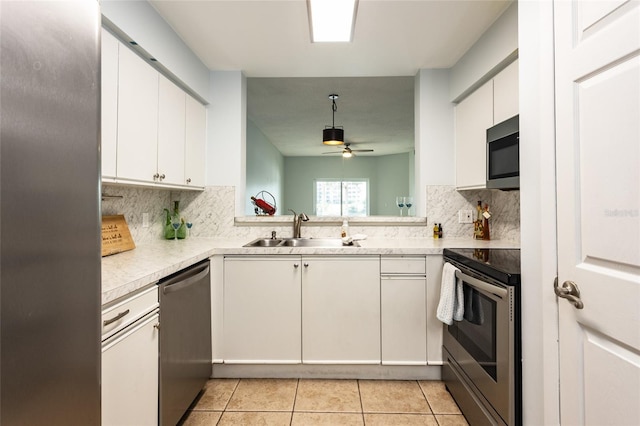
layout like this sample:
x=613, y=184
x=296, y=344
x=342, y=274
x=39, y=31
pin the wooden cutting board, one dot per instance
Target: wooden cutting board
x=116, y=237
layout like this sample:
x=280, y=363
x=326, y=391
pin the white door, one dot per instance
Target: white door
x=340, y=310
x=597, y=51
x=262, y=313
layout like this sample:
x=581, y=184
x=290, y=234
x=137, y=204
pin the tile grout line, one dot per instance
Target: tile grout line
x=361, y=404
x=295, y=399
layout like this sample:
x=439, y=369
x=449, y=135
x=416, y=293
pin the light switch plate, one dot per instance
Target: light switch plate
x=465, y=216
x=145, y=220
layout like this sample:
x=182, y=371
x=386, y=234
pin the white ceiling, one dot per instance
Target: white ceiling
x=289, y=77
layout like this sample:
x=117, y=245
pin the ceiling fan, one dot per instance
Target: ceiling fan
x=348, y=152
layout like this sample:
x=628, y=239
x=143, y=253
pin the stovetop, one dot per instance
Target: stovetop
x=500, y=264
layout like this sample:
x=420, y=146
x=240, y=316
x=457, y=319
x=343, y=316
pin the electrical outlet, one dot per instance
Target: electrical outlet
x=145, y=220
x=465, y=216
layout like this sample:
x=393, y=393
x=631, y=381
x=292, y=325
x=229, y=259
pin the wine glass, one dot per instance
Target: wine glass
x=408, y=201
x=400, y=203
x=189, y=225
x=175, y=222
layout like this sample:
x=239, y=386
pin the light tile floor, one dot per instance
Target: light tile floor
x=324, y=402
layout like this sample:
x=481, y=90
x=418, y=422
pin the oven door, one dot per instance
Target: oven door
x=482, y=343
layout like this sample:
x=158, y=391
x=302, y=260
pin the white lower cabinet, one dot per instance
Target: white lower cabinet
x=341, y=310
x=404, y=310
x=262, y=310
x=130, y=362
x=292, y=309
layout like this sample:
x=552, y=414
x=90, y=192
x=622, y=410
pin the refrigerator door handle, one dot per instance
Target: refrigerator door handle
x=170, y=287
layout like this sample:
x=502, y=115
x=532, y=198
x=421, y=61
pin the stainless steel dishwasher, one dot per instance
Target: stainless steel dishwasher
x=185, y=339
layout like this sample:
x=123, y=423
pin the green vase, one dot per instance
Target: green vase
x=168, y=231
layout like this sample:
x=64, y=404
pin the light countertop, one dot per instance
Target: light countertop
x=126, y=272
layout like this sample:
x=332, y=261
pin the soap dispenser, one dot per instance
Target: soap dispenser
x=345, y=229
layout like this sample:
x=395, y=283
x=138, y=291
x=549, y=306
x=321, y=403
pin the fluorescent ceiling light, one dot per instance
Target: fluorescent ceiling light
x=332, y=20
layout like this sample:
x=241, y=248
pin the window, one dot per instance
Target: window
x=335, y=197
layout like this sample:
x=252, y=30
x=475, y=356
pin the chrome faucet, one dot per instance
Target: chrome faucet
x=297, y=222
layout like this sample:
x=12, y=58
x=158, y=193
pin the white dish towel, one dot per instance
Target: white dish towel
x=451, y=305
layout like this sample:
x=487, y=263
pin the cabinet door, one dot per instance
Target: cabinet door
x=137, y=118
x=404, y=320
x=505, y=93
x=109, y=103
x=196, y=129
x=171, y=132
x=262, y=310
x=341, y=310
x=130, y=376
x=434, y=326
x=474, y=115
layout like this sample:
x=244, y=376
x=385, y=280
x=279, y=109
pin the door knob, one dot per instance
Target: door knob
x=569, y=291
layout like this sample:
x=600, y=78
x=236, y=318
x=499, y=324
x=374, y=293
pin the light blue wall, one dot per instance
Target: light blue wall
x=265, y=169
x=389, y=176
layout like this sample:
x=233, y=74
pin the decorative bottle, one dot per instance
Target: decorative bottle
x=344, y=231
x=182, y=230
x=167, y=230
x=436, y=231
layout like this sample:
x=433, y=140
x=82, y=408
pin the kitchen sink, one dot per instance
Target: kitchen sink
x=264, y=242
x=300, y=242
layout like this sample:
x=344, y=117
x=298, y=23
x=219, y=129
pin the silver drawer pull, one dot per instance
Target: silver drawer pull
x=114, y=319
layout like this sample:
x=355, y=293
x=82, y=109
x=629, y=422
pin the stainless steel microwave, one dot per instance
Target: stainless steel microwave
x=503, y=155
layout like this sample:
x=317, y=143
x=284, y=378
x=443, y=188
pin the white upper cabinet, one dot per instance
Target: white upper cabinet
x=473, y=116
x=153, y=133
x=505, y=93
x=109, y=103
x=171, y=132
x=196, y=129
x=137, y=118
x=492, y=103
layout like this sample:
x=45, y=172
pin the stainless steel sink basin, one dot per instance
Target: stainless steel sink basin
x=299, y=242
x=264, y=242
x=315, y=242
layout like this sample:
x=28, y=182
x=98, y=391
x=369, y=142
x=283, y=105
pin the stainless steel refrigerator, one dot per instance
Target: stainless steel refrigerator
x=49, y=212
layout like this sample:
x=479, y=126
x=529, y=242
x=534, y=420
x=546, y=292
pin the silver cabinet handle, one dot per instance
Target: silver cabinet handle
x=114, y=319
x=295, y=265
x=188, y=180
x=306, y=265
x=156, y=176
x=569, y=291
x=162, y=176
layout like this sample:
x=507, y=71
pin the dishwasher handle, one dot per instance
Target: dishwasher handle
x=185, y=279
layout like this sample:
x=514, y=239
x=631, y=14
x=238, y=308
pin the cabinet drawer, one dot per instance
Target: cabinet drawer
x=123, y=313
x=403, y=265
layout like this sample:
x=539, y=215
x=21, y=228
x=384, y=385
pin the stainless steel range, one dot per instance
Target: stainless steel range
x=482, y=352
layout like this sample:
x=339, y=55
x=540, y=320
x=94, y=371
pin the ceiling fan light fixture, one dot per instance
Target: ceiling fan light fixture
x=347, y=153
x=332, y=20
x=333, y=136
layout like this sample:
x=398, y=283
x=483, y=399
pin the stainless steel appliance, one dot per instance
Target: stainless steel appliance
x=483, y=351
x=185, y=339
x=503, y=155
x=49, y=212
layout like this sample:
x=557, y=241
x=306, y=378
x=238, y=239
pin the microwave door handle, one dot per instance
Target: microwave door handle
x=481, y=285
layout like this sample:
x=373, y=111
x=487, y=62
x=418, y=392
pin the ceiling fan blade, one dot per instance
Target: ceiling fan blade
x=333, y=152
x=361, y=150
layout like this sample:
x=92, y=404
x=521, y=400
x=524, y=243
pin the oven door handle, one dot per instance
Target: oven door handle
x=481, y=285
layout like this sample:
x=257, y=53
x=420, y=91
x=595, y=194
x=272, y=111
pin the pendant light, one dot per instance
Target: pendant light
x=333, y=135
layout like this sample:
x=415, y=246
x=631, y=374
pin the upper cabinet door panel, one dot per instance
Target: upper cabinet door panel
x=196, y=129
x=505, y=93
x=109, y=103
x=171, y=132
x=137, y=118
x=474, y=115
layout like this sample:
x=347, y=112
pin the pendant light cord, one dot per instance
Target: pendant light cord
x=334, y=108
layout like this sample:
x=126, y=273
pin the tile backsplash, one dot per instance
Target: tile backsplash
x=211, y=212
x=444, y=202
